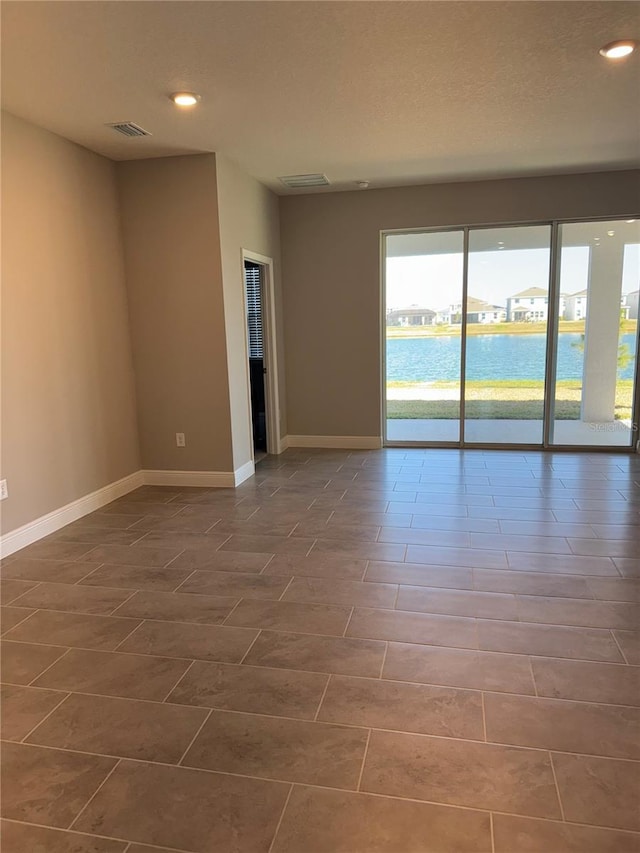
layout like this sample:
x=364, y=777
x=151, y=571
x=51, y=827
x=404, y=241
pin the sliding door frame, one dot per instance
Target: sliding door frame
x=553, y=328
x=551, y=343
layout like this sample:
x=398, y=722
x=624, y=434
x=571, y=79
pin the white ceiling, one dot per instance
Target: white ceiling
x=393, y=92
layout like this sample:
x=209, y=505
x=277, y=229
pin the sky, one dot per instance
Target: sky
x=435, y=281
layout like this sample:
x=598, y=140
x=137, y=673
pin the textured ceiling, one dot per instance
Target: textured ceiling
x=392, y=92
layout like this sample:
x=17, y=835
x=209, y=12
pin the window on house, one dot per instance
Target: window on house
x=254, y=310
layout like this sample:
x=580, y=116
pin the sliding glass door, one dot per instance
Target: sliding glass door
x=507, y=313
x=486, y=344
x=423, y=313
x=596, y=344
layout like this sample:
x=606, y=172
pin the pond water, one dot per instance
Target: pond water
x=488, y=357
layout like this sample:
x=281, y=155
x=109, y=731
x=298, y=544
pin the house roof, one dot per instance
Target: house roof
x=530, y=292
x=336, y=87
x=475, y=305
x=412, y=309
x=580, y=293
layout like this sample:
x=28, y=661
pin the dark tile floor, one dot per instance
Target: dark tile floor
x=392, y=651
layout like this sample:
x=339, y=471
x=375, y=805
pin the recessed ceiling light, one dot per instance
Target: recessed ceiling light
x=618, y=49
x=185, y=99
x=629, y=221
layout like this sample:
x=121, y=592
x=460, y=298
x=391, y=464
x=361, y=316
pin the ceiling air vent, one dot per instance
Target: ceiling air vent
x=128, y=128
x=301, y=181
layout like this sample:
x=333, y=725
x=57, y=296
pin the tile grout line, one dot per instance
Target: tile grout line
x=512, y=573
x=167, y=565
x=293, y=530
x=619, y=647
x=22, y=621
x=92, y=797
x=321, y=723
x=438, y=616
x=346, y=627
x=231, y=611
x=170, y=691
x=88, y=574
x=114, y=610
x=284, y=808
x=182, y=582
x=267, y=564
x=484, y=717
x=555, y=599
x=384, y=660
x=140, y=538
x=251, y=645
x=124, y=639
x=94, y=835
x=364, y=758
x=324, y=693
x=10, y=603
x=46, y=669
x=193, y=739
x=555, y=782
x=456, y=687
x=284, y=591
x=224, y=542
x=533, y=679
x=46, y=717
x=16, y=601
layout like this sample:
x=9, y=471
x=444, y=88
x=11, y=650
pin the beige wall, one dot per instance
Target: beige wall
x=172, y=251
x=249, y=219
x=68, y=406
x=331, y=276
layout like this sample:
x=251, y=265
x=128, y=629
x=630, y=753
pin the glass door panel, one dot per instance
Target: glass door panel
x=596, y=350
x=423, y=293
x=506, y=341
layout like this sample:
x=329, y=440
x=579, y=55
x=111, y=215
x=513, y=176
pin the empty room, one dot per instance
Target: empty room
x=319, y=473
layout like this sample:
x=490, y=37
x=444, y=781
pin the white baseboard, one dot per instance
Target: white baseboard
x=52, y=521
x=206, y=479
x=243, y=473
x=283, y=444
x=346, y=442
x=29, y=533
x=211, y=479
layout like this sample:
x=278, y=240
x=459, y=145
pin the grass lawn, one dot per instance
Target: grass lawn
x=504, y=400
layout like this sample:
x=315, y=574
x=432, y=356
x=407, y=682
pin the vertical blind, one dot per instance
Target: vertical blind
x=254, y=310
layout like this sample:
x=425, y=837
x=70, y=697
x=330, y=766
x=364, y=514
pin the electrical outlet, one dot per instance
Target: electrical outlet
x=4, y=491
x=180, y=442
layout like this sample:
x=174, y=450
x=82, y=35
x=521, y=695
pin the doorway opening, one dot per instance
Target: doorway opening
x=255, y=341
x=262, y=374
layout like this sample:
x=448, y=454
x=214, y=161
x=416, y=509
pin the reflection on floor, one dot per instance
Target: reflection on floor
x=406, y=651
x=571, y=433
